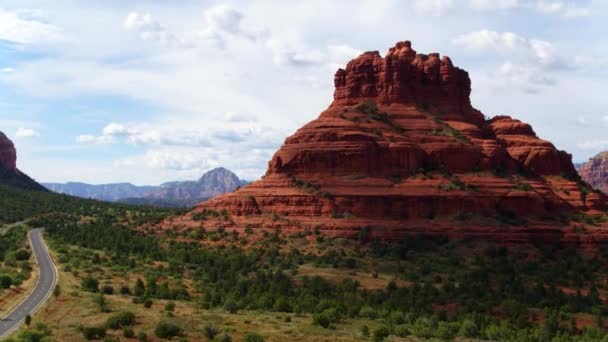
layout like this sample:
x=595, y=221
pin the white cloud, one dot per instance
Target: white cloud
x=239, y=117
x=599, y=144
x=561, y=8
x=543, y=52
x=116, y=130
x=14, y=28
x=531, y=63
x=490, y=40
x=554, y=8
x=168, y=160
x=26, y=133
x=528, y=78
x=494, y=4
x=92, y=139
x=434, y=7
x=149, y=28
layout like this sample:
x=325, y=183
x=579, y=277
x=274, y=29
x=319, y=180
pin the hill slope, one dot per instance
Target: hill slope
x=595, y=171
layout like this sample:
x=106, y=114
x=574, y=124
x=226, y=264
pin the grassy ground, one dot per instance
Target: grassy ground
x=74, y=308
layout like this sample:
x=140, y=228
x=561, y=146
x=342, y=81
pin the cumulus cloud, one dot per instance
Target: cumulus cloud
x=434, y=7
x=599, y=144
x=494, y=4
x=92, y=139
x=114, y=129
x=530, y=62
x=26, y=133
x=168, y=160
x=149, y=29
x=543, y=52
x=16, y=28
x=560, y=8
x=220, y=23
x=223, y=22
x=554, y=8
x=136, y=136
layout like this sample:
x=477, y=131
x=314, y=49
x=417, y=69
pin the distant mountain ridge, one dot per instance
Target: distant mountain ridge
x=173, y=194
x=105, y=192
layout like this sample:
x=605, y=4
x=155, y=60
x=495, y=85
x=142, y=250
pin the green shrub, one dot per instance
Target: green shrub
x=128, y=332
x=107, y=289
x=22, y=255
x=167, y=329
x=170, y=306
x=326, y=317
x=223, y=338
x=468, y=329
x=89, y=284
x=93, y=333
x=380, y=334
x=5, y=281
x=364, y=331
x=210, y=331
x=120, y=320
x=251, y=337
x=232, y=307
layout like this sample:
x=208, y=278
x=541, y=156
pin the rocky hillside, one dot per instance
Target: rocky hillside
x=212, y=183
x=595, y=172
x=401, y=150
x=9, y=174
x=173, y=194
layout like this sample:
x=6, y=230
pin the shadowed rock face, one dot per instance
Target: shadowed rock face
x=402, y=151
x=595, y=172
x=8, y=154
x=9, y=174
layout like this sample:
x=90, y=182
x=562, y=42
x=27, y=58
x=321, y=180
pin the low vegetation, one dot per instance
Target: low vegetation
x=120, y=281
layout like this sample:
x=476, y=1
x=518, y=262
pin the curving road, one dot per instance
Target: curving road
x=42, y=290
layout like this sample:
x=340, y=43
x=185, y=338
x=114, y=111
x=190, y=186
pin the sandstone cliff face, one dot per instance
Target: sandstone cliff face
x=595, y=172
x=402, y=151
x=9, y=174
x=8, y=154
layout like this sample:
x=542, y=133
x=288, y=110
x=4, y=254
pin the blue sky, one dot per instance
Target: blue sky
x=152, y=91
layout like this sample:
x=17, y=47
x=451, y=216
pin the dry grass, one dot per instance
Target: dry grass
x=74, y=308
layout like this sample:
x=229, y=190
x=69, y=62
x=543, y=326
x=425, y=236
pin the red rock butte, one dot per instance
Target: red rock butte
x=8, y=154
x=401, y=151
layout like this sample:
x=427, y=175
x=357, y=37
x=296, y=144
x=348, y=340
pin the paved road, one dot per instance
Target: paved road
x=42, y=290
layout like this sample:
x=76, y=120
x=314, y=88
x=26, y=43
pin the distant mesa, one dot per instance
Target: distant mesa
x=9, y=174
x=401, y=150
x=173, y=194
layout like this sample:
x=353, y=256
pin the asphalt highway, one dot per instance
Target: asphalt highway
x=42, y=290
